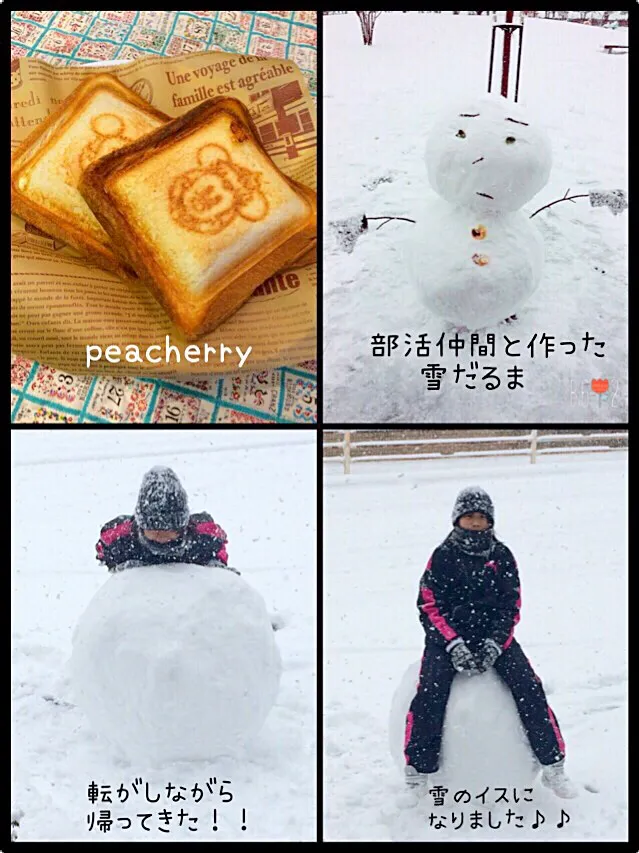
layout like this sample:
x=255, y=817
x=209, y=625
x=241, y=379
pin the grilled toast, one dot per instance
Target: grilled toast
x=201, y=213
x=98, y=117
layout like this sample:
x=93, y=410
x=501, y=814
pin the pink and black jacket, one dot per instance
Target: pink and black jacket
x=120, y=545
x=470, y=596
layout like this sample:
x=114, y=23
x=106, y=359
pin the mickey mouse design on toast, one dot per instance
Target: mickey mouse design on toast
x=110, y=134
x=208, y=198
x=110, y=131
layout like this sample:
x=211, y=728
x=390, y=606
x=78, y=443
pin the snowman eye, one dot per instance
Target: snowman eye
x=510, y=140
x=461, y=134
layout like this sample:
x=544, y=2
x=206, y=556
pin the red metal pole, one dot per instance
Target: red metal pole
x=506, y=61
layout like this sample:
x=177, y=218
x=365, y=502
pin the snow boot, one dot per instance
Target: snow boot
x=415, y=779
x=554, y=777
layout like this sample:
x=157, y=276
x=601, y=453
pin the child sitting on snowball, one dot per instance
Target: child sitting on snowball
x=162, y=530
x=469, y=602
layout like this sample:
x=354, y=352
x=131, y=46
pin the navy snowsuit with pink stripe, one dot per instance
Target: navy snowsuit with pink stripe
x=474, y=597
x=120, y=544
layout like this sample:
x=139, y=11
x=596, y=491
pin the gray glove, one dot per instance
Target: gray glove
x=461, y=657
x=128, y=564
x=489, y=653
x=220, y=565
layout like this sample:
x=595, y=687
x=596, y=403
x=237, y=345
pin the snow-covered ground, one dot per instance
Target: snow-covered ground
x=565, y=520
x=379, y=104
x=261, y=489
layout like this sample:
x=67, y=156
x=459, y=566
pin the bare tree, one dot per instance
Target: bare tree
x=367, y=22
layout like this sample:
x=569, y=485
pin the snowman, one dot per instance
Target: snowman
x=477, y=257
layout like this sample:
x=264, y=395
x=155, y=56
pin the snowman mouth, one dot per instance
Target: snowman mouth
x=485, y=195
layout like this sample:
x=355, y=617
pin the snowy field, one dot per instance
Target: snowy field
x=261, y=489
x=379, y=105
x=565, y=520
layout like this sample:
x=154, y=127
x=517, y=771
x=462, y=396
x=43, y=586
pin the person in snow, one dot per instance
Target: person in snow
x=162, y=530
x=469, y=601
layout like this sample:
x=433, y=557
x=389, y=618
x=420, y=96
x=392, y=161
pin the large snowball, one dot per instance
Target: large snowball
x=492, y=146
x=483, y=743
x=175, y=662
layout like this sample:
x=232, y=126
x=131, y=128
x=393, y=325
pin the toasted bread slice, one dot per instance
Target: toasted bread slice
x=100, y=116
x=201, y=212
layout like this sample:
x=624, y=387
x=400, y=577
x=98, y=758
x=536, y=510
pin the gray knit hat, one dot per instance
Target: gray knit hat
x=473, y=499
x=162, y=503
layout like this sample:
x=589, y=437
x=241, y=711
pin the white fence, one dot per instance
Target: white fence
x=349, y=449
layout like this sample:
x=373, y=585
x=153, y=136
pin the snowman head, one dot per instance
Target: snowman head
x=488, y=154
